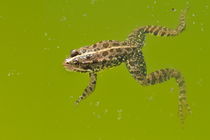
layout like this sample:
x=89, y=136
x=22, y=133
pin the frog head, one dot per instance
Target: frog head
x=75, y=62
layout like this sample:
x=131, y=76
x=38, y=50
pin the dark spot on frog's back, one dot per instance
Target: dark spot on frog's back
x=83, y=51
x=156, y=32
x=124, y=43
x=97, y=49
x=88, y=56
x=95, y=61
x=125, y=53
x=104, y=62
x=111, y=50
x=95, y=45
x=163, y=33
x=115, y=44
x=110, y=57
x=105, y=53
x=118, y=50
x=87, y=67
x=105, y=45
x=128, y=49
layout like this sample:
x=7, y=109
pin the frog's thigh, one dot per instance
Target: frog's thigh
x=90, y=88
x=137, y=66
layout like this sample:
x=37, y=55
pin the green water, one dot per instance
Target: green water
x=37, y=94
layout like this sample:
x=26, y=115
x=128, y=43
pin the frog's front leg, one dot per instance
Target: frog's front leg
x=89, y=89
x=137, y=68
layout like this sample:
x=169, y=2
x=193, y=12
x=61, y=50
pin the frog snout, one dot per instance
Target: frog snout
x=65, y=63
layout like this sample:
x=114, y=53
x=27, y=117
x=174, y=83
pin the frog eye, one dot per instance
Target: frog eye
x=74, y=53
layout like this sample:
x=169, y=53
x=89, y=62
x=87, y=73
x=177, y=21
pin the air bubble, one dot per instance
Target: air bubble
x=46, y=49
x=13, y=73
x=84, y=15
x=94, y=113
x=45, y=34
x=105, y=111
x=151, y=98
x=97, y=104
x=119, y=118
x=98, y=116
x=155, y=2
x=92, y=1
x=63, y=18
x=171, y=89
x=9, y=74
x=119, y=114
x=119, y=110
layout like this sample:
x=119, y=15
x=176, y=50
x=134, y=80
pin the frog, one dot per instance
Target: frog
x=111, y=53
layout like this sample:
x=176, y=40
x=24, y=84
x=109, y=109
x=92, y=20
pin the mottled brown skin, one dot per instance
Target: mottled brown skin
x=110, y=53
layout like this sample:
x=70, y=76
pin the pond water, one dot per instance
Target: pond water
x=37, y=94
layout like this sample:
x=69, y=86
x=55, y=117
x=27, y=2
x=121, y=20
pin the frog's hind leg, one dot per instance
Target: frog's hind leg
x=137, y=37
x=89, y=89
x=162, y=75
x=137, y=68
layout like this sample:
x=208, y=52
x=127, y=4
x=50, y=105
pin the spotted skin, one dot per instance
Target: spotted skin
x=110, y=53
x=137, y=68
x=137, y=37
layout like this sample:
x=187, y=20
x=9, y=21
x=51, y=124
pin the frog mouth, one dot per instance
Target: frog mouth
x=72, y=69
